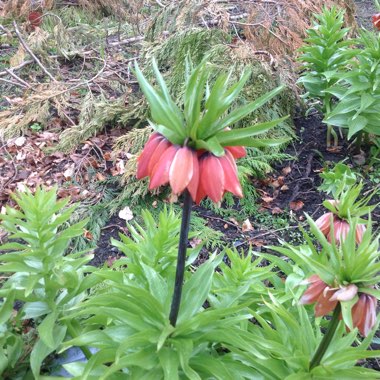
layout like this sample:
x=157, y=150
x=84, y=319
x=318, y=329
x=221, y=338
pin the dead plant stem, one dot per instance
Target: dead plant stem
x=29, y=50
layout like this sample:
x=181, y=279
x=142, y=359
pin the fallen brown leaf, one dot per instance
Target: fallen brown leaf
x=247, y=226
x=194, y=242
x=296, y=205
x=334, y=149
x=88, y=235
x=257, y=242
x=100, y=176
x=234, y=221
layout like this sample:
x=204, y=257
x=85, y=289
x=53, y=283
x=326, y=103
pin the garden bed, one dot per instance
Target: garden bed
x=84, y=132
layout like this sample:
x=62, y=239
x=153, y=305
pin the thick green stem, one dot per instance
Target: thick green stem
x=359, y=141
x=181, y=258
x=328, y=136
x=366, y=138
x=335, y=135
x=74, y=334
x=330, y=129
x=325, y=342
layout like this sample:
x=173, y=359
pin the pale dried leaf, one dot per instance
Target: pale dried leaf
x=247, y=226
x=20, y=141
x=126, y=214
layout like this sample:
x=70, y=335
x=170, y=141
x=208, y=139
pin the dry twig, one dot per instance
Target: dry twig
x=12, y=83
x=18, y=79
x=29, y=50
x=20, y=66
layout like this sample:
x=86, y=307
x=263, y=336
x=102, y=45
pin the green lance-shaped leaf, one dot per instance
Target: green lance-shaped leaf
x=163, y=110
x=239, y=113
x=238, y=136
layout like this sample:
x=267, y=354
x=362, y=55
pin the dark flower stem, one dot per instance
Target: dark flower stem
x=181, y=258
x=323, y=346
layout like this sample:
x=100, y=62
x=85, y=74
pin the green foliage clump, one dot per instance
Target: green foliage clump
x=123, y=311
x=324, y=56
x=358, y=90
x=335, y=180
x=46, y=280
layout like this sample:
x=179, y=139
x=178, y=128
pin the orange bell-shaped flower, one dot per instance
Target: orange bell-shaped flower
x=200, y=172
x=364, y=313
x=341, y=228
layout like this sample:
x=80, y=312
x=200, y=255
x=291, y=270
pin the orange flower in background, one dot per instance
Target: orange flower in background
x=376, y=20
x=364, y=313
x=200, y=172
x=35, y=19
x=326, y=299
x=341, y=227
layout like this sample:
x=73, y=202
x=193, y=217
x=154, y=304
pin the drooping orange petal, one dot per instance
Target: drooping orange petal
x=314, y=278
x=237, y=151
x=337, y=227
x=157, y=154
x=181, y=170
x=346, y=293
x=160, y=172
x=341, y=228
x=360, y=230
x=324, y=305
x=194, y=182
x=212, y=177
x=345, y=229
x=146, y=154
x=231, y=179
x=324, y=222
x=357, y=313
x=364, y=313
x=313, y=292
x=369, y=314
x=200, y=192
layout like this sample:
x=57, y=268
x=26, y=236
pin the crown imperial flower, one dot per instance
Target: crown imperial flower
x=326, y=299
x=200, y=172
x=332, y=226
x=364, y=313
x=376, y=20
